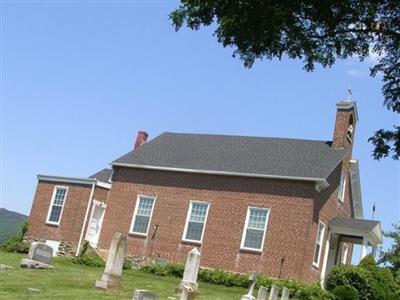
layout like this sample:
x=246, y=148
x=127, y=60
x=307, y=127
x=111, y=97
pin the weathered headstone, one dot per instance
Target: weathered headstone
x=40, y=252
x=144, y=295
x=5, y=267
x=160, y=261
x=111, y=278
x=39, y=257
x=273, y=294
x=252, y=284
x=188, y=288
x=285, y=294
x=262, y=293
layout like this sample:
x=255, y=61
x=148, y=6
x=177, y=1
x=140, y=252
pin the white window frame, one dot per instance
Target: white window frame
x=342, y=186
x=52, y=204
x=189, y=212
x=246, y=227
x=320, y=243
x=343, y=253
x=135, y=213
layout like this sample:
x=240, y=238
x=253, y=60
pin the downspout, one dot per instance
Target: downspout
x=85, y=220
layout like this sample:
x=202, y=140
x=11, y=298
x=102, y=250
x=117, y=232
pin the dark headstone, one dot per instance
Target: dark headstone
x=40, y=252
x=144, y=295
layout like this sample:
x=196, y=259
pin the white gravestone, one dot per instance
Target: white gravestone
x=252, y=284
x=273, y=295
x=144, y=295
x=39, y=257
x=262, y=293
x=285, y=294
x=188, y=288
x=111, y=277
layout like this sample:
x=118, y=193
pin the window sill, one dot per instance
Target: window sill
x=52, y=224
x=251, y=251
x=137, y=235
x=188, y=242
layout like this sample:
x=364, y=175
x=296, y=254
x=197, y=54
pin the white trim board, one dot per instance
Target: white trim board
x=78, y=180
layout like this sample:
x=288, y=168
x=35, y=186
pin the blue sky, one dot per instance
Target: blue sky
x=79, y=79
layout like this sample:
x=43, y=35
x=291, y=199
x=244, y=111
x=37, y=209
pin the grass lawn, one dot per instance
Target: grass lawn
x=72, y=281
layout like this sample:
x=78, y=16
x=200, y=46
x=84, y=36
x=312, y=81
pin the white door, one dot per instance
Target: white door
x=94, y=227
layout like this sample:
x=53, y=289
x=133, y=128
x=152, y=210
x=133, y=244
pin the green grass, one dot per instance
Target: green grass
x=72, y=281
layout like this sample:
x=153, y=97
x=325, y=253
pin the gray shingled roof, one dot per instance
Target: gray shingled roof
x=103, y=175
x=354, y=223
x=237, y=154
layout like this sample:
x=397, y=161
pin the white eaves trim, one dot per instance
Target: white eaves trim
x=356, y=189
x=103, y=184
x=347, y=105
x=319, y=181
x=79, y=180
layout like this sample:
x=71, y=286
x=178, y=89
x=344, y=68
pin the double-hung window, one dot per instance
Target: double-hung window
x=342, y=186
x=255, y=228
x=57, y=205
x=318, y=244
x=142, y=215
x=196, y=221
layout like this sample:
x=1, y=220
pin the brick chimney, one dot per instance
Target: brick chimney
x=140, y=139
x=345, y=126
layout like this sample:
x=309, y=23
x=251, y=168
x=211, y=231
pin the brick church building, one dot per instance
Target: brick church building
x=285, y=208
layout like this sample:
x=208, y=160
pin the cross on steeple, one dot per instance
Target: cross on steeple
x=349, y=94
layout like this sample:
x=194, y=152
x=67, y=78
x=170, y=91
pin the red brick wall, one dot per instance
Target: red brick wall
x=326, y=207
x=100, y=194
x=340, y=139
x=290, y=202
x=72, y=216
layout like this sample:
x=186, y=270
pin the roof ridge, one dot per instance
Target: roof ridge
x=243, y=136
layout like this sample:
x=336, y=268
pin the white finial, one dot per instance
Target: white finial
x=349, y=93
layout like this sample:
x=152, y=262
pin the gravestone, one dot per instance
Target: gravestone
x=144, y=295
x=285, y=294
x=40, y=252
x=111, y=278
x=252, y=284
x=188, y=288
x=273, y=294
x=39, y=257
x=160, y=261
x=262, y=293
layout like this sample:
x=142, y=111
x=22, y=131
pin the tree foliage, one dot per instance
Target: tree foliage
x=316, y=32
x=391, y=257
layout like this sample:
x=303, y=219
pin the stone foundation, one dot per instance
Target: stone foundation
x=66, y=249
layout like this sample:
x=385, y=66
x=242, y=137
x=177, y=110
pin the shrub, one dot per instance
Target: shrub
x=127, y=264
x=345, y=292
x=383, y=285
x=90, y=260
x=94, y=260
x=368, y=262
x=16, y=243
x=355, y=276
x=216, y=276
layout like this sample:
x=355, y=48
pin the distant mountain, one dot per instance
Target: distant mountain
x=10, y=223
